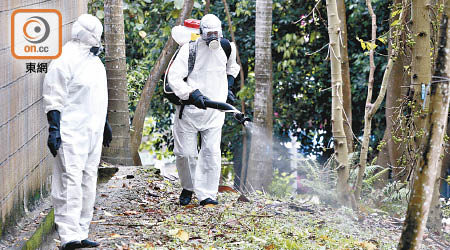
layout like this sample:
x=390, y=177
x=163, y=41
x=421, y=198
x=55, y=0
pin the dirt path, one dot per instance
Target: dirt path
x=137, y=209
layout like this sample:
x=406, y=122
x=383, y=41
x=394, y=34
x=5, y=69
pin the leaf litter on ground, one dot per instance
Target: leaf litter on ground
x=143, y=213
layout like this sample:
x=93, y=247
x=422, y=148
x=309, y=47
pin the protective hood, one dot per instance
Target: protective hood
x=210, y=23
x=88, y=29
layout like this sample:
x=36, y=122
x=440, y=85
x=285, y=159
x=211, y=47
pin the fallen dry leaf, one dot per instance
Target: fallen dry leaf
x=242, y=198
x=367, y=245
x=180, y=234
x=150, y=210
x=114, y=236
x=269, y=247
x=223, y=189
x=209, y=206
x=131, y=212
x=149, y=245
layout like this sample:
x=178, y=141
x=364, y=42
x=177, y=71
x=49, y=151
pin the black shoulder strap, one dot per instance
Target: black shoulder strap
x=226, y=46
x=192, y=56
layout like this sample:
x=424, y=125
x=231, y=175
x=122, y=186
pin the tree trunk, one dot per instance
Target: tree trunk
x=243, y=158
x=427, y=169
x=150, y=85
x=383, y=160
x=340, y=140
x=368, y=108
x=259, y=171
x=367, y=127
x=435, y=215
x=371, y=108
x=398, y=84
x=432, y=120
x=434, y=223
x=116, y=71
x=207, y=5
x=346, y=83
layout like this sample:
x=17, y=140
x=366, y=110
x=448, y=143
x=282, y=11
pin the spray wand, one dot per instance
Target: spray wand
x=225, y=107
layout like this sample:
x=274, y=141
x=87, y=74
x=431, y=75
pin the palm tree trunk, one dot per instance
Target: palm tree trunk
x=116, y=71
x=259, y=172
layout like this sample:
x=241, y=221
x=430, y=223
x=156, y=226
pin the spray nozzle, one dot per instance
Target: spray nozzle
x=242, y=118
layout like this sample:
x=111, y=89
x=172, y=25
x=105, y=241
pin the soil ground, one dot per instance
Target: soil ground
x=137, y=209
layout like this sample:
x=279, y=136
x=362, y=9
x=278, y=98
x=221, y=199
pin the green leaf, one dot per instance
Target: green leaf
x=394, y=13
x=100, y=14
x=371, y=46
x=382, y=40
x=139, y=26
x=363, y=44
x=141, y=17
x=395, y=22
x=178, y=4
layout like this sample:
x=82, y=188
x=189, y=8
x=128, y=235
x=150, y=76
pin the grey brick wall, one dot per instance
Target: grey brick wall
x=25, y=162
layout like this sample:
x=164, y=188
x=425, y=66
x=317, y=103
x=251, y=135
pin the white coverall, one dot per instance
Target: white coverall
x=76, y=86
x=210, y=77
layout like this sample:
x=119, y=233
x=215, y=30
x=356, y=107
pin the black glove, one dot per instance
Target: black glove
x=231, y=99
x=107, y=134
x=230, y=80
x=197, y=99
x=54, y=136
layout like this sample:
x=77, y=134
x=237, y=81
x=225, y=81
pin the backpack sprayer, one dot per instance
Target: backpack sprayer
x=184, y=34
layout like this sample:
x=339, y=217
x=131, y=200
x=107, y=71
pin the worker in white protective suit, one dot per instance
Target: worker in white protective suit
x=76, y=100
x=209, y=79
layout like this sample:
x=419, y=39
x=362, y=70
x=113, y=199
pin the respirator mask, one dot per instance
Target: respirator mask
x=212, y=40
x=96, y=51
x=211, y=31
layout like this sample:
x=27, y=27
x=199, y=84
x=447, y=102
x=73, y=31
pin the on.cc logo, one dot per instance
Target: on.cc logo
x=36, y=34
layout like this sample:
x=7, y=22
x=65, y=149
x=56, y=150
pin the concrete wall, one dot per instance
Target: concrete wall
x=25, y=161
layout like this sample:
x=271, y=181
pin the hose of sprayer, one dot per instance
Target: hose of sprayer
x=238, y=115
x=219, y=105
